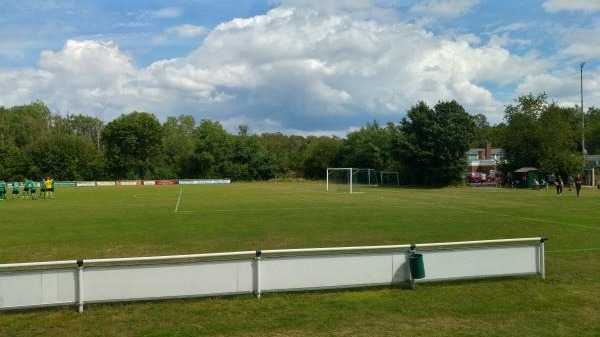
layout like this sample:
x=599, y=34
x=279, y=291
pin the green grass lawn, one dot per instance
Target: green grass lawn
x=163, y=220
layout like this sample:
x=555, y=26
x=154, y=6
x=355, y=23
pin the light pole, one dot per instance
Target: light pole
x=583, y=151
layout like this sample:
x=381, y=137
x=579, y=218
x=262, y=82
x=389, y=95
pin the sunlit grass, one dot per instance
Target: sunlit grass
x=161, y=220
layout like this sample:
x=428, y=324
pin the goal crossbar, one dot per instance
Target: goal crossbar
x=390, y=173
x=350, y=171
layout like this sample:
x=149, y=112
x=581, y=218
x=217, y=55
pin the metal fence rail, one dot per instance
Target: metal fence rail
x=76, y=282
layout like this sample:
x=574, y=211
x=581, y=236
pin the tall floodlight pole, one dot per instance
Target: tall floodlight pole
x=583, y=151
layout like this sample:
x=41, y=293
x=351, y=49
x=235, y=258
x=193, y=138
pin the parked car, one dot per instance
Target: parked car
x=477, y=177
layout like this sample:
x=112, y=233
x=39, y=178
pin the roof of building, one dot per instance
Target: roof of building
x=526, y=169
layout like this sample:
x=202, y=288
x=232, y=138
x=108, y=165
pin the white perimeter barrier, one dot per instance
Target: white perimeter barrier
x=37, y=284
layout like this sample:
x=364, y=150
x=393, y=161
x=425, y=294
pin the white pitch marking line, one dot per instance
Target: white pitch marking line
x=178, y=199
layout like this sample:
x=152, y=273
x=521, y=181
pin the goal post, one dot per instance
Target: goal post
x=389, y=178
x=341, y=176
x=366, y=177
x=350, y=178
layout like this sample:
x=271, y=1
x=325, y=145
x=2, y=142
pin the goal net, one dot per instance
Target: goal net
x=389, y=178
x=366, y=177
x=352, y=180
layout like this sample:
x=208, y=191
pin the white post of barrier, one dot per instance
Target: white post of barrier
x=257, y=271
x=527, y=246
x=410, y=278
x=80, y=285
x=542, y=262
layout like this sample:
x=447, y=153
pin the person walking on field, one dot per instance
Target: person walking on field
x=578, y=182
x=559, y=185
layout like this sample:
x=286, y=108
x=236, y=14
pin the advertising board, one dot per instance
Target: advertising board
x=204, y=181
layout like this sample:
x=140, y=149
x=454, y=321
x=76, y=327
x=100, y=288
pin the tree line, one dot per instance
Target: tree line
x=426, y=147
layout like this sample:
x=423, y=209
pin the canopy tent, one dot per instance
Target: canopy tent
x=525, y=176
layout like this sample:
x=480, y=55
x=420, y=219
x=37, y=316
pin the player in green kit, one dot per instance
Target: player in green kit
x=15, y=189
x=3, y=190
x=33, y=189
x=25, y=188
x=43, y=188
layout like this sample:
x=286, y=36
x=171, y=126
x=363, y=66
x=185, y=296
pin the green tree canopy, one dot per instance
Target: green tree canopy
x=592, y=130
x=321, y=152
x=178, y=146
x=560, y=150
x=432, y=142
x=86, y=126
x=542, y=135
x=211, y=151
x=523, y=143
x=250, y=159
x=132, y=143
x=288, y=151
x=369, y=147
x=64, y=157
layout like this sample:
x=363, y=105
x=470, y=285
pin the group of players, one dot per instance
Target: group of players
x=30, y=189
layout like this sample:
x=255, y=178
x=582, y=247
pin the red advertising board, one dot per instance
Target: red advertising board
x=165, y=182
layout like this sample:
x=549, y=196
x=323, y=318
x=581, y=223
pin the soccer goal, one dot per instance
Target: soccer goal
x=366, y=177
x=339, y=179
x=348, y=179
x=389, y=178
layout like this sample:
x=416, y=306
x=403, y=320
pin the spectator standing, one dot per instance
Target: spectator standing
x=559, y=185
x=578, y=182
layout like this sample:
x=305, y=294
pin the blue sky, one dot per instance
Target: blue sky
x=295, y=66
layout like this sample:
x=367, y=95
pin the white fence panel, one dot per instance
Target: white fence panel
x=480, y=262
x=136, y=282
x=330, y=271
x=275, y=270
x=37, y=288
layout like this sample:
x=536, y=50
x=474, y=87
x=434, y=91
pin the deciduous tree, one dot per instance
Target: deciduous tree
x=132, y=144
x=542, y=135
x=432, y=142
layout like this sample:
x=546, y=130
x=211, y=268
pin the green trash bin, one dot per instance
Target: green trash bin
x=417, y=267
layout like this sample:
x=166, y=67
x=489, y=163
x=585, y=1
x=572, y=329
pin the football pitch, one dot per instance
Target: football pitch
x=127, y=221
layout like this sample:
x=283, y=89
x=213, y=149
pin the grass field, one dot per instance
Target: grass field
x=162, y=220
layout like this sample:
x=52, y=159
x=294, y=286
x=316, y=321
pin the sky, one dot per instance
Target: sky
x=322, y=67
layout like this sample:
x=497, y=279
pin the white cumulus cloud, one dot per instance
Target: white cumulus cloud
x=168, y=12
x=294, y=69
x=571, y=5
x=186, y=31
x=444, y=8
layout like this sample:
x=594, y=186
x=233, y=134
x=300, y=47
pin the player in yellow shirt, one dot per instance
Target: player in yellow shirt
x=49, y=188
